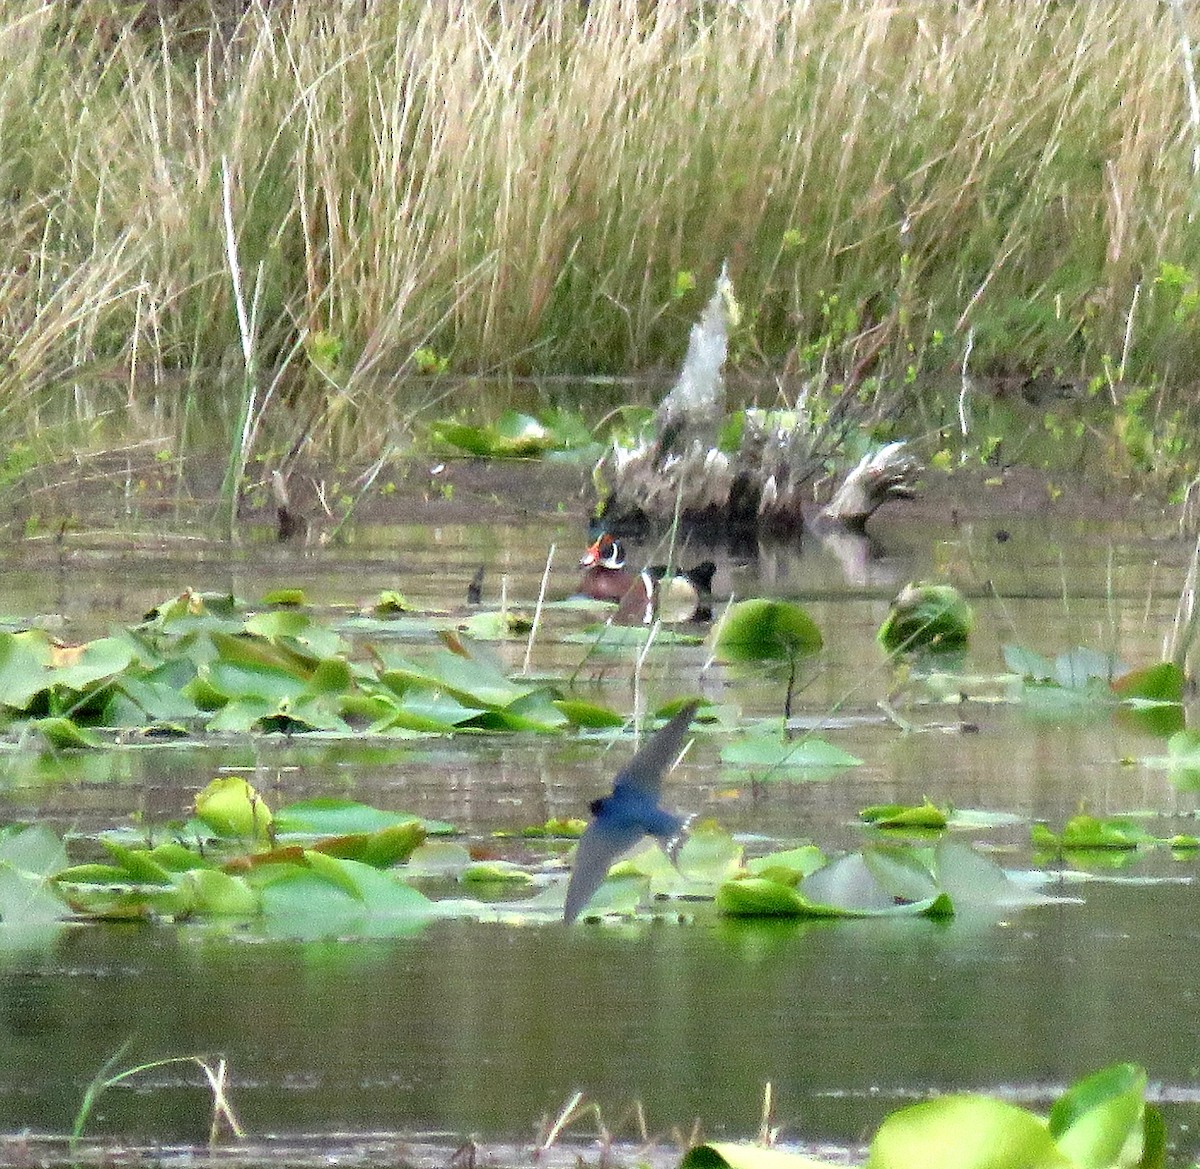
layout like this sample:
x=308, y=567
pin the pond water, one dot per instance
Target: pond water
x=465, y=1029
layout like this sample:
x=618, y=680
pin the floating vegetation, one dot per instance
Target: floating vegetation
x=203, y=663
x=325, y=867
x=925, y=617
x=519, y=436
x=1102, y=1121
x=1087, y=680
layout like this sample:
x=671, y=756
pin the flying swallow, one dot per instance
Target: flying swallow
x=620, y=820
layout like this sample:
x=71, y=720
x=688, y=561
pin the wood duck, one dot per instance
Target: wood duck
x=652, y=593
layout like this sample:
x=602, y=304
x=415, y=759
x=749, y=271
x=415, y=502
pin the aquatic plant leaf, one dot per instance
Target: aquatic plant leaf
x=439, y=858
x=964, y=1132
x=1183, y=759
x=926, y=617
x=767, y=630
x=242, y=715
x=761, y=897
x=284, y=596
x=1088, y=832
x=427, y=711
x=333, y=898
x=534, y=712
x=1029, y=665
x=513, y=435
x=497, y=624
x=331, y=676
x=231, y=808
x=286, y=629
x=589, y=715
x=495, y=873
x=24, y=662
x=33, y=849
x=26, y=898
x=174, y=857
x=612, y=639
x=1097, y=1122
x=903, y=872
x=849, y=884
x=92, y=662
x=924, y=815
x=472, y=682
x=62, y=734
x=390, y=603
x=331, y=816
x=620, y=895
x=975, y=881
x=124, y=902
x=153, y=698
x=381, y=849
x=214, y=893
x=778, y=759
x=138, y=866
x=709, y=854
x=1162, y=682
x=1080, y=667
x=731, y=1155
x=788, y=865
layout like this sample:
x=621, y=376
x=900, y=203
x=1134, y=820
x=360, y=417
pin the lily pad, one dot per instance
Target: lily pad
x=231, y=807
x=965, y=1132
x=926, y=617
x=777, y=759
x=924, y=815
x=767, y=630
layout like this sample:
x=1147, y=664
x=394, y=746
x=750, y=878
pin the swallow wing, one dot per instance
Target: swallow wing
x=644, y=772
x=599, y=846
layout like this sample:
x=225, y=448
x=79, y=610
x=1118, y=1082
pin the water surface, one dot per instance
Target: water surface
x=483, y=1029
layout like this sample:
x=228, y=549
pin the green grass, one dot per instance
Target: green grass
x=525, y=188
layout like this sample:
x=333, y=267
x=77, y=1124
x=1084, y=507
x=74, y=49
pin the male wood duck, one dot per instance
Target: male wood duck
x=652, y=593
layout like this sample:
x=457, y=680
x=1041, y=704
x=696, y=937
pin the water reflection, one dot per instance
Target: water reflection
x=481, y=1029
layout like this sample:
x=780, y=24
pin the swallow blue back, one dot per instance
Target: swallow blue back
x=620, y=820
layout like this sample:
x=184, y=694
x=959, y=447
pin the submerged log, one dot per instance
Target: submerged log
x=677, y=470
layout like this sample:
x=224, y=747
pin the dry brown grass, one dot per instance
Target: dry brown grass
x=519, y=187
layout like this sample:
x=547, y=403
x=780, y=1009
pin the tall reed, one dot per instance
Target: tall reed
x=524, y=186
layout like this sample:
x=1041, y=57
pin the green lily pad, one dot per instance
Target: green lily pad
x=767, y=630
x=777, y=759
x=761, y=897
x=62, y=733
x=1098, y=1121
x=924, y=815
x=231, y=807
x=1089, y=832
x=513, y=435
x=285, y=596
x=788, y=865
x=926, y=617
x=330, y=816
x=381, y=849
x=965, y=1132
x=588, y=714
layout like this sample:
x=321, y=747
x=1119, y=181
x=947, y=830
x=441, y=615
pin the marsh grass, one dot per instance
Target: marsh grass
x=548, y=187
